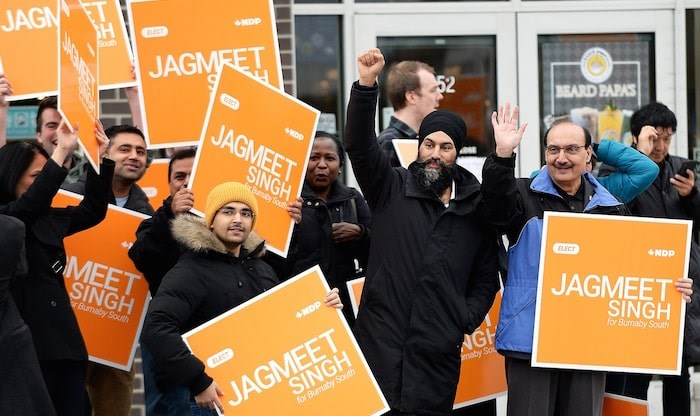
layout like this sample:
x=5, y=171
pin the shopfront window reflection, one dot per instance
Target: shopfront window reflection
x=318, y=66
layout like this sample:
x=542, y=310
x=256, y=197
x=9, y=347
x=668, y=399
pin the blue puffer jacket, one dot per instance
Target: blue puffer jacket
x=520, y=204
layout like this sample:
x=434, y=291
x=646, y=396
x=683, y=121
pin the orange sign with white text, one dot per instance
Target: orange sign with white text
x=78, y=94
x=481, y=362
x=31, y=26
x=615, y=405
x=179, y=48
x=284, y=352
x=112, y=41
x=108, y=294
x=262, y=137
x=482, y=373
x=406, y=150
x=155, y=182
x=355, y=287
x=606, y=298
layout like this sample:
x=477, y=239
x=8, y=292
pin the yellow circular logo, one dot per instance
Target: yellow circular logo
x=596, y=65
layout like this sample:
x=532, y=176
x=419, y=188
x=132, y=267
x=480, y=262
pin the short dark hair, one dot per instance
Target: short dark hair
x=113, y=131
x=652, y=114
x=179, y=155
x=48, y=102
x=15, y=159
x=338, y=144
x=586, y=133
x=402, y=78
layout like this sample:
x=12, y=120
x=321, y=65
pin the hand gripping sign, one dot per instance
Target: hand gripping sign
x=108, y=294
x=180, y=46
x=285, y=353
x=605, y=295
x=260, y=136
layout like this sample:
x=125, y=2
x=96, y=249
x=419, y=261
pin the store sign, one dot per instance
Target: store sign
x=597, y=84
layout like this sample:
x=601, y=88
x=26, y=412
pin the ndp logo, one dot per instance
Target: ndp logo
x=661, y=252
x=308, y=309
x=220, y=358
x=566, y=248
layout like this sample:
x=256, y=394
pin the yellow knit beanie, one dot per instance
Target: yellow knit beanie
x=227, y=192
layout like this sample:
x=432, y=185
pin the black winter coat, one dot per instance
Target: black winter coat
x=41, y=295
x=312, y=240
x=661, y=200
x=155, y=251
x=432, y=274
x=206, y=282
x=22, y=388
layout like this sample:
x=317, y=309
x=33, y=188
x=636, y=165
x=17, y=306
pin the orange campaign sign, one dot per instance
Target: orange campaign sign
x=260, y=136
x=284, y=352
x=480, y=360
x=605, y=296
x=108, y=294
x=615, y=405
x=406, y=150
x=355, y=291
x=32, y=27
x=177, y=61
x=155, y=182
x=77, y=77
x=113, y=42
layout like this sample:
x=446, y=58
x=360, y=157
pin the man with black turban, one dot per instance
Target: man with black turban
x=433, y=270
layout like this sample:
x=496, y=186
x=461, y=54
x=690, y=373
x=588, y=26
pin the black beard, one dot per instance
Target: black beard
x=430, y=179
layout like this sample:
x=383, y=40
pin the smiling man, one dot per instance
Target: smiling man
x=47, y=120
x=111, y=389
x=518, y=206
x=433, y=271
x=564, y=185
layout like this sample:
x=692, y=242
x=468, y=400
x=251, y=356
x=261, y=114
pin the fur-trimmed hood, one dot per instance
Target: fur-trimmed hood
x=192, y=232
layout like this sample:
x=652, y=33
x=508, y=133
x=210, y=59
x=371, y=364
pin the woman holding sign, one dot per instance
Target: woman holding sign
x=335, y=224
x=29, y=179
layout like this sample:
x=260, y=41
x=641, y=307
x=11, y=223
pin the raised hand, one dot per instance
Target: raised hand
x=67, y=142
x=505, y=130
x=102, y=139
x=5, y=90
x=645, y=141
x=369, y=65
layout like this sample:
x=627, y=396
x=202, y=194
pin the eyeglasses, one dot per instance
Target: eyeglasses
x=571, y=149
x=231, y=212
